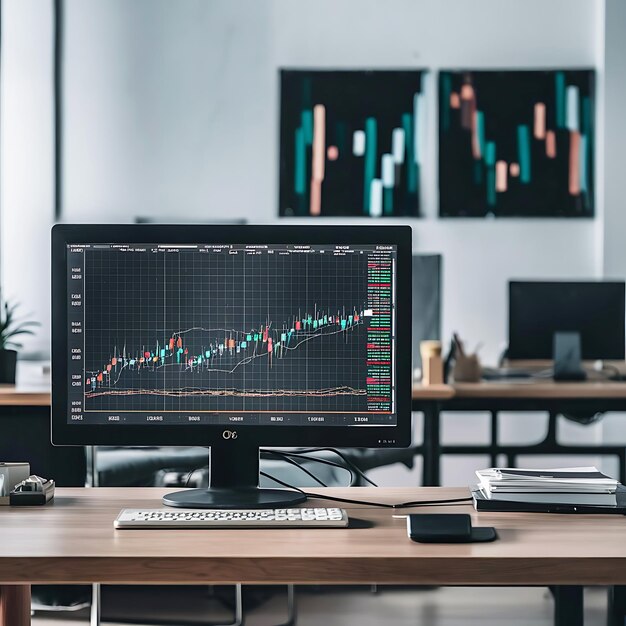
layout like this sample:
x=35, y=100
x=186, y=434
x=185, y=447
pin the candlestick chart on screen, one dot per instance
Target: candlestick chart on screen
x=235, y=330
x=516, y=143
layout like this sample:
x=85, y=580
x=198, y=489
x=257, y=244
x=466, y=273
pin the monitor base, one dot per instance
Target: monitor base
x=234, y=498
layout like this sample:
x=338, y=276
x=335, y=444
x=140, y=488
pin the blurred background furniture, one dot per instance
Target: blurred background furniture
x=556, y=399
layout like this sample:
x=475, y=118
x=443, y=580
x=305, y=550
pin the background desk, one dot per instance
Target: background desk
x=73, y=541
x=10, y=395
x=553, y=398
x=32, y=389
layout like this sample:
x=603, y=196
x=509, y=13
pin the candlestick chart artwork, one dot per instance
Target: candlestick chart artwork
x=516, y=143
x=352, y=143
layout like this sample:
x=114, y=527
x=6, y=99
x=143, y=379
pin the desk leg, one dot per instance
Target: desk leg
x=432, y=445
x=494, y=439
x=617, y=606
x=568, y=605
x=14, y=605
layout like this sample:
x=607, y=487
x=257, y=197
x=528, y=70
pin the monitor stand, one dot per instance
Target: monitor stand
x=567, y=357
x=234, y=483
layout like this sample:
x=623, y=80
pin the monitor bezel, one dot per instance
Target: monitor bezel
x=64, y=433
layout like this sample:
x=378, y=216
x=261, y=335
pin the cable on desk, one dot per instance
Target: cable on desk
x=285, y=455
x=401, y=505
x=383, y=505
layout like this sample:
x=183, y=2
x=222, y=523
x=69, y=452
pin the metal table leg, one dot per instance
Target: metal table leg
x=94, y=615
x=292, y=613
x=432, y=445
x=568, y=605
x=494, y=439
x=617, y=606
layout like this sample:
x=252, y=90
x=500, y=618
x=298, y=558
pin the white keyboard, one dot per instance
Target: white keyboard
x=234, y=518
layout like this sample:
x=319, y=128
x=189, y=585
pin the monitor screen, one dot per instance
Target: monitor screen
x=266, y=334
x=538, y=310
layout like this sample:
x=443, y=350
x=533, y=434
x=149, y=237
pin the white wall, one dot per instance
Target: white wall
x=615, y=140
x=172, y=110
x=26, y=157
x=169, y=108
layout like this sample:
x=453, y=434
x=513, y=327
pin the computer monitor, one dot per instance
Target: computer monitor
x=233, y=337
x=539, y=310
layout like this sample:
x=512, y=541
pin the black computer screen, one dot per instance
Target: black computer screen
x=265, y=335
x=537, y=310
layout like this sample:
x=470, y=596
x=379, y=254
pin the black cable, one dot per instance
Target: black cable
x=284, y=455
x=384, y=505
x=344, y=459
x=314, y=459
x=348, y=463
x=299, y=466
x=192, y=472
x=284, y=484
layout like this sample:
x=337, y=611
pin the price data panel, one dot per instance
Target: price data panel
x=251, y=334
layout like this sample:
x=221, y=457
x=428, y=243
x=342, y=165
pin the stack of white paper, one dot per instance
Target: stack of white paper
x=563, y=485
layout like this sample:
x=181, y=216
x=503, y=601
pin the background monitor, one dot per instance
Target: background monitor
x=234, y=337
x=427, y=272
x=538, y=310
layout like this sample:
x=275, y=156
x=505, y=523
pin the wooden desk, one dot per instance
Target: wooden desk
x=554, y=398
x=523, y=389
x=10, y=395
x=73, y=541
x=432, y=392
x=32, y=388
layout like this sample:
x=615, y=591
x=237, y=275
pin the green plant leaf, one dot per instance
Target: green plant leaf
x=22, y=331
x=27, y=325
x=11, y=327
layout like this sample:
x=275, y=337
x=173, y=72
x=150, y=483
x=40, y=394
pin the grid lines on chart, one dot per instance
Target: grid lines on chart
x=224, y=331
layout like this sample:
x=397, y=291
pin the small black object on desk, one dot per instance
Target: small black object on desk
x=446, y=528
x=32, y=491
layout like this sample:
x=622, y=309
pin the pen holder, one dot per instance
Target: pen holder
x=467, y=368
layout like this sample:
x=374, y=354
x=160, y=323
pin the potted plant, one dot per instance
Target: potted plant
x=10, y=327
